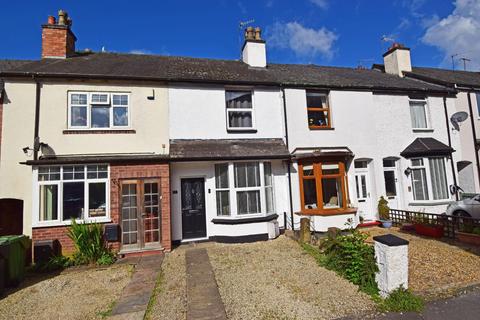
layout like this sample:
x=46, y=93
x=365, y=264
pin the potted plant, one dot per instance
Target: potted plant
x=469, y=234
x=384, y=213
x=425, y=227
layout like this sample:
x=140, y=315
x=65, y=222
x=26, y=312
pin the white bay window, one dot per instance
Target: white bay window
x=71, y=192
x=247, y=185
x=429, y=179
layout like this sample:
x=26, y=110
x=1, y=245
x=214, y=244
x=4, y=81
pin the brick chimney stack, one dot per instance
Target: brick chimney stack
x=58, y=40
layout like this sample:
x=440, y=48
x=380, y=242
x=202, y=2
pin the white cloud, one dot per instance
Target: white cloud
x=305, y=42
x=458, y=33
x=323, y=4
x=140, y=51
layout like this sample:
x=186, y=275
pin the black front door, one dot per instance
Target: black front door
x=193, y=208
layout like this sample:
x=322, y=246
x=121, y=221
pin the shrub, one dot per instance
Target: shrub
x=383, y=209
x=402, y=300
x=55, y=263
x=90, y=246
x=352, y=258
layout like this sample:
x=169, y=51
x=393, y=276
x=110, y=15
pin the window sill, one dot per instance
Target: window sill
x=321, y=128
x=99, y=131
x=431, y=203
x=232, y=221
x=327, y=212
x=242, y=130
x=51, y=224
x=423, y=130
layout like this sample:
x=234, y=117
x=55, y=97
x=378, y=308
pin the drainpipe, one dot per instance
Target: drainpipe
x=474, y=134
x=36, y=138
x=450, y=145
x=289, y=171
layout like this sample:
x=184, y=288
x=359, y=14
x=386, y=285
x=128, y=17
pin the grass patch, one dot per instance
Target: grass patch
x=156, y=291
x=402, y=300
x=108, y=312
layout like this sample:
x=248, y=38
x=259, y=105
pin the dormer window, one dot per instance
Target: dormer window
x=98, y=110
x=239, y=110
x=318, y=110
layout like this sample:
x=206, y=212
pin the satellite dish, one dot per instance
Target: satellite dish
x=458, y=117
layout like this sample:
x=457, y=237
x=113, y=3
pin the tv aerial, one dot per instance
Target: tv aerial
x=457, y=118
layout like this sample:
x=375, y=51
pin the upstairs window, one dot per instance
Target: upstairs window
x=318, y=110
x=239, y=109
x=418, y=114
x=98, y=110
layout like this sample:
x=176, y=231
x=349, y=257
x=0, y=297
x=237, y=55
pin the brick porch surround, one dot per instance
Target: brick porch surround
x=117, y=173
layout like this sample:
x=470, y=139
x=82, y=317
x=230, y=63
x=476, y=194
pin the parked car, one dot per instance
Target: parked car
x=469, y=207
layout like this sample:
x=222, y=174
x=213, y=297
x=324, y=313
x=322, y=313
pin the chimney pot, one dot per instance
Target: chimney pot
x=62, y=15
x=249, y=34
x=258, y=32
x=51, y=20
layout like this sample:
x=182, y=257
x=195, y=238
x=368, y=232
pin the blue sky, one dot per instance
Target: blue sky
x=341, y=32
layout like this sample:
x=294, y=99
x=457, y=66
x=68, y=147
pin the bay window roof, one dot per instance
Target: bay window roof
x=227, y=149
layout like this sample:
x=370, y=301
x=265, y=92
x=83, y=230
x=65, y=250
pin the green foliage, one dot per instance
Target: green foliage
x=90, y=246
x=470, y=228
x=55, y=263
x=402, y=300
x=106, y=259
x=383, y=209
x=353, y=259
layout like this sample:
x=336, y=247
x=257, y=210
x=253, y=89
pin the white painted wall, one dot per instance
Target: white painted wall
x=373, y=126
x=206, y=170
x=199, y=112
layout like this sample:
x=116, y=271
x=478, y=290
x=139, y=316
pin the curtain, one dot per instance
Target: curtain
x=417, y=111
x=438, y=178
x=419, y=181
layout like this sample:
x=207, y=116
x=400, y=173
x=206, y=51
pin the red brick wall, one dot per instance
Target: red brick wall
x=57, y=42
x=162, y=171
x=117, y=173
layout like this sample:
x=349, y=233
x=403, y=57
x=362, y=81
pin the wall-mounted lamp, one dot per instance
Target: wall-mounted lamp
x=407, y=171
x=27, y=151
x=152, y=96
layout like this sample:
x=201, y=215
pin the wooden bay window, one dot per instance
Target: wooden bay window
x=323, y=187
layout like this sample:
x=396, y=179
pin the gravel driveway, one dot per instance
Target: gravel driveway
x=437, y=267
x=278, y=280
x=76, y=293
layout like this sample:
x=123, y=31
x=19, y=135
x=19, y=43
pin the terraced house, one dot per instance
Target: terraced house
x=166, y=149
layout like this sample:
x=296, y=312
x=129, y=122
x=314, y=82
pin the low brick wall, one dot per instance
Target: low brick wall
x=119, y=172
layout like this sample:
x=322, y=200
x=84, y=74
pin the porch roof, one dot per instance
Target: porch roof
x=426, y=147
x=304, y=153
x=98, y=158
x=227, y=149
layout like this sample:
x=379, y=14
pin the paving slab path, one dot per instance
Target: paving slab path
x=133, y=302
x=203, y=298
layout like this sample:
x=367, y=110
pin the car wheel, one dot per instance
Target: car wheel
x=461, y=214
x=462, y=219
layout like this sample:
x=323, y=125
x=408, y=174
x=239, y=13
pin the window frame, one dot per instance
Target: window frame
x=251, y=110
x=36, y=222
x=428, y=179
x=318, y=176
x=426, y=109
x=233, y=190
x=90, y=105
x=327, y=109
